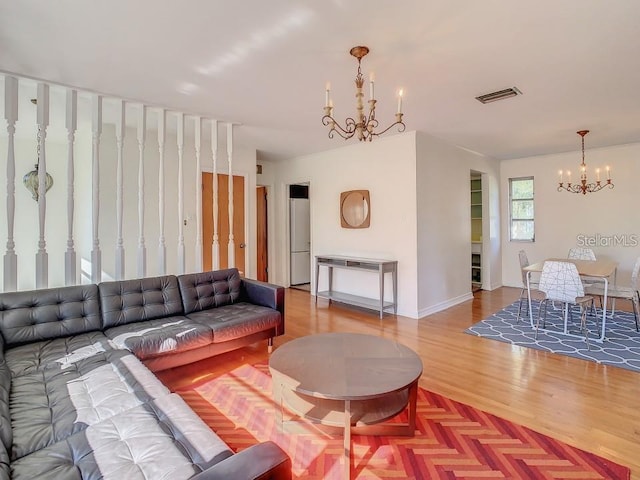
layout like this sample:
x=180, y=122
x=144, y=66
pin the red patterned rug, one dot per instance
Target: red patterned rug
x=452, y=441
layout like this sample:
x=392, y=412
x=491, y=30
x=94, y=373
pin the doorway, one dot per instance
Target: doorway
x=262, y=244
x=476, y=187
x=223, y=220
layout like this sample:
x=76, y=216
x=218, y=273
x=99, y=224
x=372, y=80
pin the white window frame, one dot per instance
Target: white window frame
x=511, y=219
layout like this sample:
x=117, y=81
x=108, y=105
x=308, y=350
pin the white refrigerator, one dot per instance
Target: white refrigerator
x=300, y=227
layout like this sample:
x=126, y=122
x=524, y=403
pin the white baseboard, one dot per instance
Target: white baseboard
x=444, y=305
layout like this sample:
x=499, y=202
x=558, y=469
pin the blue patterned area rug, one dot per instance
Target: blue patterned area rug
x=621, y=347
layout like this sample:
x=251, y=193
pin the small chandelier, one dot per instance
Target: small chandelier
x=363, y=126
x=31, y=180
x=584, y=186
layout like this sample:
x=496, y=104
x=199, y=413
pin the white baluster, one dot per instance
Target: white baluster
x=11, y=115
x=121, y=128
x=215, y=247
x=71, y=121
x=142, y=249
x=42, y=258
x=96, y=254
x=232, y=245
x=181, y=251
x=198, y=140
x=162, y=248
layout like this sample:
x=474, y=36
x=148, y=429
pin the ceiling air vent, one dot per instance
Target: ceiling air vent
x=499, y=95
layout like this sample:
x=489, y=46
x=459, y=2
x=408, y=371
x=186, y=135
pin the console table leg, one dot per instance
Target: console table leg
x=317, y=278
x=381, y=276
x=394, y=274
x=330, y=273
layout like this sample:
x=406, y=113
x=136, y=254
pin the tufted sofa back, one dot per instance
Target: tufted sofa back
x=141, y=299
x=6, y=434
x=45, y=314
x=201, y=291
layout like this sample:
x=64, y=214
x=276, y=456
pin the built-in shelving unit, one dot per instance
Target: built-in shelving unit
x=476, y=231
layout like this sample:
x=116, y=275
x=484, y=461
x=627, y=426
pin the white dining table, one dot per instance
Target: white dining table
x=600, y=269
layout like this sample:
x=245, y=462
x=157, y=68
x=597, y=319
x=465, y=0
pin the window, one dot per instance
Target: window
x=521, y=209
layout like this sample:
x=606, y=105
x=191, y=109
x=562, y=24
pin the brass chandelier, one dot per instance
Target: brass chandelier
x=584, y=186
x=363, y=126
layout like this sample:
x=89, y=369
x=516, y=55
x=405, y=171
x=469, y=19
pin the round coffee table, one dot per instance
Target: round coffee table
x=347, y=380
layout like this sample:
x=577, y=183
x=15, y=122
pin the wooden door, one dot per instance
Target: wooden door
x=261, y=240
x=223, y=220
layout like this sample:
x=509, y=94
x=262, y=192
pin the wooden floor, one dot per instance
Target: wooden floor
x=590, y=406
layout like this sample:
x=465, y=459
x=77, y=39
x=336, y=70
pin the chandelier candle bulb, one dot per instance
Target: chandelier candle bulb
x=371, y=80
x=327, y=98
x=598, y=175
x=569, y=177
x=560, y=175
x=400, y=101
x=608, y=173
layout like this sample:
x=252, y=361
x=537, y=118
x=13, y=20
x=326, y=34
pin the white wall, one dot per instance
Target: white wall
x=560, y=217
x=443, y=223
x=385, y=167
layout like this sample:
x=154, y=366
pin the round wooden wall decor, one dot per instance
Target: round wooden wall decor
x=355, y=209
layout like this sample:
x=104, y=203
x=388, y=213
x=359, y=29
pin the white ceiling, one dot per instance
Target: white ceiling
x=264, y=64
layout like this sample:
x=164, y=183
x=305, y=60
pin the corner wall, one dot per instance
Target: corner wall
x=420, y=216
x=444, y=227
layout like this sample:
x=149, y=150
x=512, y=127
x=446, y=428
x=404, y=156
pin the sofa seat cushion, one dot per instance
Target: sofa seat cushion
x=238, y=320
x=152, y=338
x=56, y=353
x=163, y=439
x=50, y=405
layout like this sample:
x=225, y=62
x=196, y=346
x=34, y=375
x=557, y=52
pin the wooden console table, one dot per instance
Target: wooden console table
x=353, y=263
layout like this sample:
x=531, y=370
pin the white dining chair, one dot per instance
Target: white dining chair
x=631, y=293
x=580, y=253
x=560, y=282
x=533, y=284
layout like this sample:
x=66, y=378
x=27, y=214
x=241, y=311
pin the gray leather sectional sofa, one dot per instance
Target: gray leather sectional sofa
x=78, y=399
